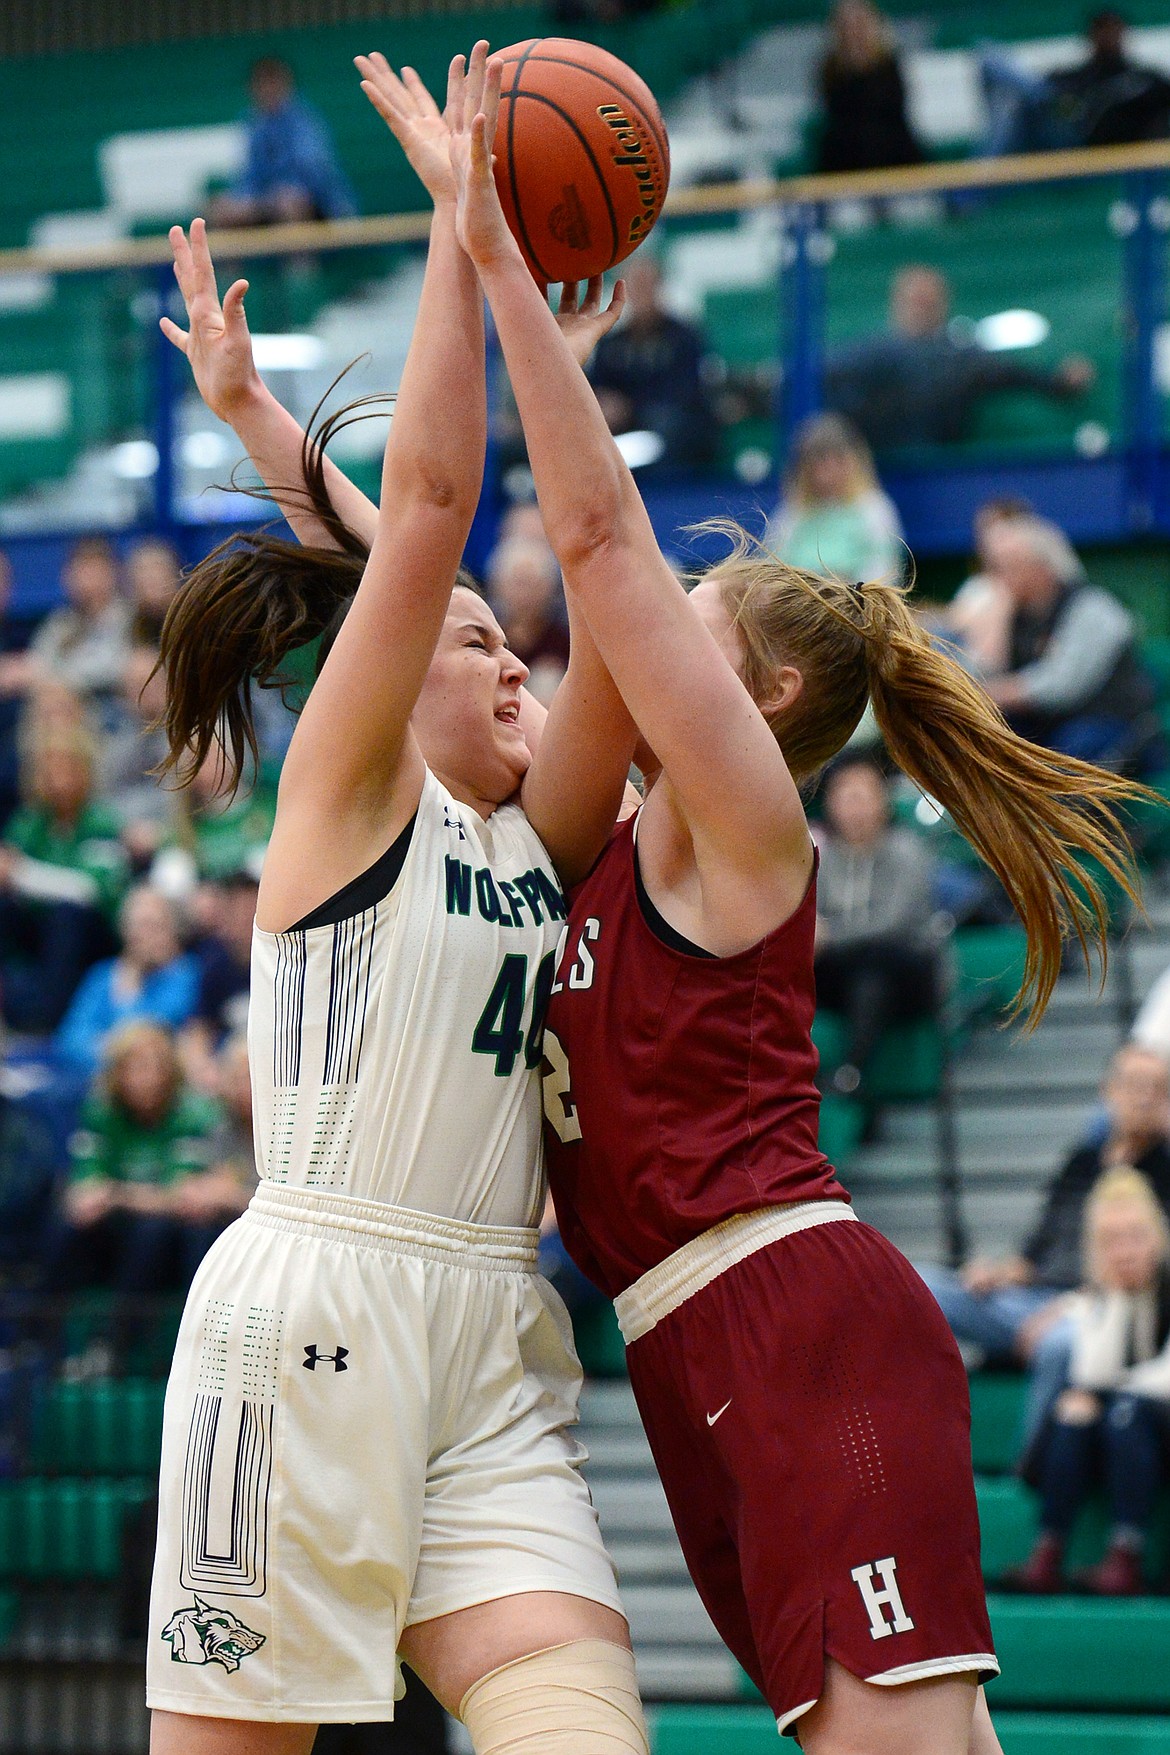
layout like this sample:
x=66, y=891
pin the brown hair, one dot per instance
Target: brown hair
x=1037, y=818
x=247, y=607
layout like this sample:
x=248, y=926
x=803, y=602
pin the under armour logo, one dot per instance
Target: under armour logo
x=450, y=822
x=313, y=1358
x=876, y=1601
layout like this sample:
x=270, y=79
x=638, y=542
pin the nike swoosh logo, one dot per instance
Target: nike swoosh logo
x=711, y=1418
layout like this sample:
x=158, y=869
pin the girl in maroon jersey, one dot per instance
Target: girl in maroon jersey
x=805, y=1402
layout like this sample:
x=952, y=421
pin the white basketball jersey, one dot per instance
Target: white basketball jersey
x=395, y=1055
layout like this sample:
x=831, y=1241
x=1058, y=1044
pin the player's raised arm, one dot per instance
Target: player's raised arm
x=218, y=348
x=740, y=803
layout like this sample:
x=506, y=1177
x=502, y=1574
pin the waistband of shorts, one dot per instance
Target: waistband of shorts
x=644, y=1304
x=374, y=1224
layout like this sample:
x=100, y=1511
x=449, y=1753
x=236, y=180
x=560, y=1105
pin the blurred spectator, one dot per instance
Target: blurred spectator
x=14, y=639
x=143, y=804
x=1151, y=1027
x=863, y=96
x=149, y=978
x=834, y=518
x=62, y=872
x=1106, y=100
x=224, y=834
x=1110, y=1426
x=84, y=645
x=1011, y=1309
x=153, y=576
x=648, y=375
x=291, y=170
x=977, y=621
x=524, y=586
x=919, y=383
x=207, y=1200
x=224, y=960
x=876, y=957
x=1073, y=679
x=141, y=1133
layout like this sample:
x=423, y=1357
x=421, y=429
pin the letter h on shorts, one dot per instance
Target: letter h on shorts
x=876, y=1601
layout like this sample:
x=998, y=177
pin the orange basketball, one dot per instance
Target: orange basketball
x=582, y=159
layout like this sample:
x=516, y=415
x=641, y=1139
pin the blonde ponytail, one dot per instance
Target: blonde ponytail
x=1041, y=821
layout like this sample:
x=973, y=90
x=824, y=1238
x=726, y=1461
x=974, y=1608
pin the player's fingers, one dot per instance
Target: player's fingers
x=174, y=334
x=617, y=300
x=481, y=158
x=181, y=251
x=204, y=268
x=568, y=299
x=491, y=97
x=454, y=109
x=474, y=83
x=233, y=302
x=419, y=92
x=382, y=86
x=591, y=303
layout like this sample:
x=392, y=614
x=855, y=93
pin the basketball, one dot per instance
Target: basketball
x=582, y=159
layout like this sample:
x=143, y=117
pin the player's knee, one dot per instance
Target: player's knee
x=578, y=1699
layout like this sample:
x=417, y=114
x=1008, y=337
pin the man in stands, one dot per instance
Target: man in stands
x=1105, y=100
x=291, y=171
x=648, y=375
x=1011, y=1308
x=916, y=383
x=1073, y=680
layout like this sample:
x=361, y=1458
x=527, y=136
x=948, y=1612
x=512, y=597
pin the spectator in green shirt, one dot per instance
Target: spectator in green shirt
x=142, y=1134
x=62, y=876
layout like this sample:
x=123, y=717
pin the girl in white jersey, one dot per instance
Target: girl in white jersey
x=365, y=1441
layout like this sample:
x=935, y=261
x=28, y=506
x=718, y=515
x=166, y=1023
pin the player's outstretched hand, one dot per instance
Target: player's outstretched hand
x=583, y=322
x=479, y=219
x=217, y=344
x=414, y=118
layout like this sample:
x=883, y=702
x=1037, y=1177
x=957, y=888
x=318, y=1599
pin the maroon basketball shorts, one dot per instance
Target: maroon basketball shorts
x=808, y=1412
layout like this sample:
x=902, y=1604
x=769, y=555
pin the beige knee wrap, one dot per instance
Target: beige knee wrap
x=578, y=1699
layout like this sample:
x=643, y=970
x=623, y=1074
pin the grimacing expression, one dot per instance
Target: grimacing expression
x=467, y=715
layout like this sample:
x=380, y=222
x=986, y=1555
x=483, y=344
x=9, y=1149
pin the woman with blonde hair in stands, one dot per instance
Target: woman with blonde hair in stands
x=804, y=1400
x=835, y=519
x=863, y=94
x=1110, y=1426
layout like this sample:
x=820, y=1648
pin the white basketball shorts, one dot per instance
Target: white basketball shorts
x=367, y=1425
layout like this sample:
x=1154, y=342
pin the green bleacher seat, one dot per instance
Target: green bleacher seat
x=1068, y=1652
x=64, y=1530
x=112, y=1426
x=997, y=1407
x=599, y=1341
x=751, y=1730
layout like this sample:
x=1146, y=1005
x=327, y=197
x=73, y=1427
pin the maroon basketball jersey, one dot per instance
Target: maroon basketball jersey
x=679, y=1089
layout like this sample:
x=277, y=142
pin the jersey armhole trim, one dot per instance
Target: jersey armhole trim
x=369, y=887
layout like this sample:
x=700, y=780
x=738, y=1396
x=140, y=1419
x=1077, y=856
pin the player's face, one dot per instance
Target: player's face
x=467, y=716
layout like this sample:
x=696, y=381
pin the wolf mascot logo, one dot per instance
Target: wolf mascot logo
x=203, y=1634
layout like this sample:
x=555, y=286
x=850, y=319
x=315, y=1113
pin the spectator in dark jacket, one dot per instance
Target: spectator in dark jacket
x=1105, y=100
x=917, y=383
x=648, y=375
x=1010, y=1308
x=862, y=95
x=876, y=963
x=1073, y=680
